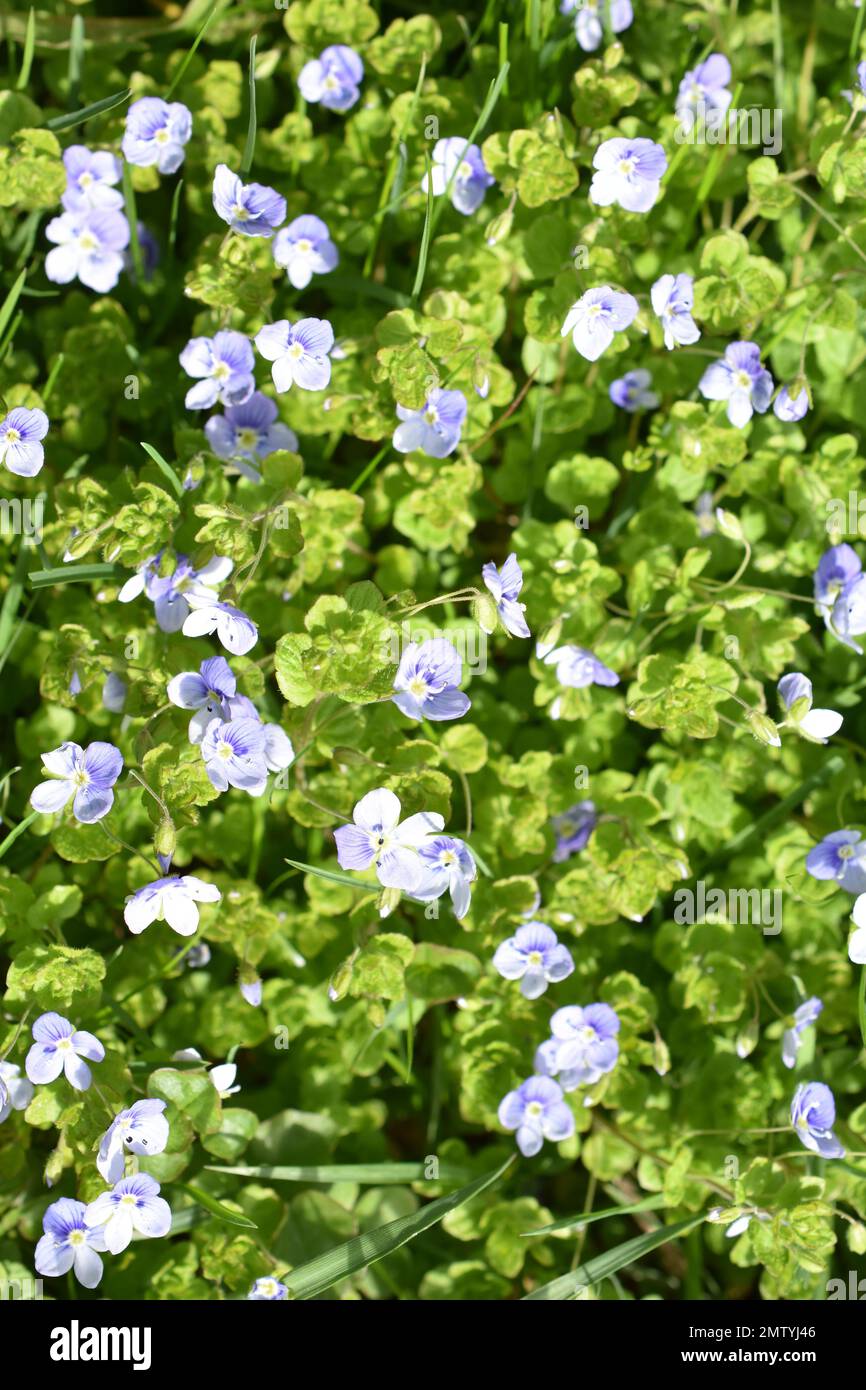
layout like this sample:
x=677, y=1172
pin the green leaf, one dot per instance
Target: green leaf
x=611, y=1262
x=218, y=1209
x=377, y=1174
x=576, y=1223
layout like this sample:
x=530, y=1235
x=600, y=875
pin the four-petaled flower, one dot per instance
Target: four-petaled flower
x=142, y=1129
x=427, y=680
x=224, y=368
x=249, y=432
x=88, y=246
x=672, y=298
x=20, y=435
x=90, y=179
x=156, y=133
x=631, y=392
x=704, y=90
x=840, y=594
x=583, y=1047
x=791, y=405
x=813, y=1113
x=594, y=319
x=534, y=956
x=253, y=209
x=237, y=632
x=68, y=1243
x=447, y=867
x=841, y=855
x=171, y=594
x=268, y=1290
x=434, y=429
x=538, y=1112
x=378, y=837
x=739, y=379
x=172, y=900
x=577, y=667
x=206, y=691
x=234, y=755
x=627, y=172
x=87, y=775
x=304, y=248
x=573, y=829
x=795, y=692
x=132, y=1205
x=298, y=353
x=505, y=585
x=333, y=79
x=460, y=166
x=59, y=1047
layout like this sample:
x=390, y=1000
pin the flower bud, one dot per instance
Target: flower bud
x=764, y=729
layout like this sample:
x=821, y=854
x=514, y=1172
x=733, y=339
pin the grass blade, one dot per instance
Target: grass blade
x=11, y=300
x=425, y=235
x=603, y=1266
x=19, y=830
x=250, y=146
x=27, y=54
x=587, y=1218
x=70, y=574
x=76, y=58
x=312, y=1278
x=132, y=219
x=379, y=1174
x=164, y=468
x=333, y=877
x=190, y=54
x=13, y=597
x=96, y=108
x=217, y=1209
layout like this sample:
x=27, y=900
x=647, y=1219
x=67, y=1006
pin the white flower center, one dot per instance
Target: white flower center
x=64, y=1045
x=626, y=167
x=87, y=242
x=127, y=1200
x=12, y=436
x=221, y=371
x=296, y=350
x=743, y=380
x=594, y=310
x=161, y=137
x=267, y=1287
x=534, y=958
x=76, y=1238
x=85, y=180
x=239, y=212
x=80, y=777
x=303, y=247
x=331, y=84
x=248, y=438
x=464, y=169
x=431, y=415
x=846, y=852
x=418, y=687
x=224, y=751
x=534, y=1108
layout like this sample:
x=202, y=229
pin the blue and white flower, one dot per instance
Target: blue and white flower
x=505, y=585
x=379, y=838
x=132, y=1205
x=813, y=1114
x=142, y=1130
x=173, y=900
x=537, y=1111
x=535, y=957
x=86, y=777
x=68, y=1243
x=59, y=1046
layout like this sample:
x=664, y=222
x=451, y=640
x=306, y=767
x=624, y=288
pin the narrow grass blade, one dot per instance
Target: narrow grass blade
x=333, y=877
x=12, y=598
x=70, y=574
x=217, y=1209
x=27, y=54
x=164, y=468
x=379, y=1174
x=9, y=303
x=173, y=217
x=312, y=1278
x=575, y=1223
x=189, y=55
x=250, y=146
x=603, y=1266
x=96, y=108
x=19, y=830
x=425, y=235
x=76, y=57
x=132, y=219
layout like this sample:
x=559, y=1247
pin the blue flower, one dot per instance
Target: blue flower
x=538, y=1112
x=840, y=856
x=594, y=319
x=505, y=585
x=333, y=79
x=434, y=429
x=673, y=298
x=804, y=1017
x=269, y=1290
x=133, y=1204
x=534, y=957
x=252, y=209
x=172, y=900
x=706, y=88
x=577, y=667
x=573, y=829
x=69, y=1244
x=840, y=594
x=795, y=692
x=87, y=775
x=304, y=249
x=298, y=352
x=427, y=679
x=59, y=1047
x=90, y=179
x=20, y=434
x=156, y=133
x=813, y=1113
x=790, y=407
x=739, y=379
x=16, y=1092
x=114, y=693
x=588, y=25
x=462, y=165
x=234, y=755
x=251, y=990
x=235, y=630
x=207, y=691
x=247, y=432
x=142, y=1129
x=447, y=867
x=631, y=392
x=628, y=172
x=378, y=837
x=224, y=365
x=89, y=246
x=171, y=594
x=586, y=1045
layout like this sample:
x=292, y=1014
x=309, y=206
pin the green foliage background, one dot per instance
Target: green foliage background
x=408, y=1055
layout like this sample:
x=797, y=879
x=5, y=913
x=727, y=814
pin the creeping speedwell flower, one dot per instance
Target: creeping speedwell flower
x=248, y=433
x=156, y=133
x=90, y=179
x=577, y=667
x=840, y=856
x=596, y=317
x=631, y=392
x=16, y=1092
x=59, y=1047
x=142, y=1129
x=739, y=379
x=573, y=829
x=87, y=775
x=795, y=692
x=268, y=1290
x=88, y=246
x=791, y=404
x=69, y=1244
x=704, y=88
x=505, y=585
x=207, y=691
x=804, y=1017
x=447, y=867
x=378, y=837
x=171, y=594
x=333, y=79
x=427, y=681
x=253, y=209
x=672, y=299
x=461, y=165
x=224, y=368
x=434, y=429
x=534, y=957
x=298, y=353
x=538, y=1112
x=627, y=172
x=588, y=22
x=133, y=1204
x=234, y=755
x=172, y=900
x=20, y=435
x=587, y=1048
x=235, y=630
x=304, y=248
x=813, y=1113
